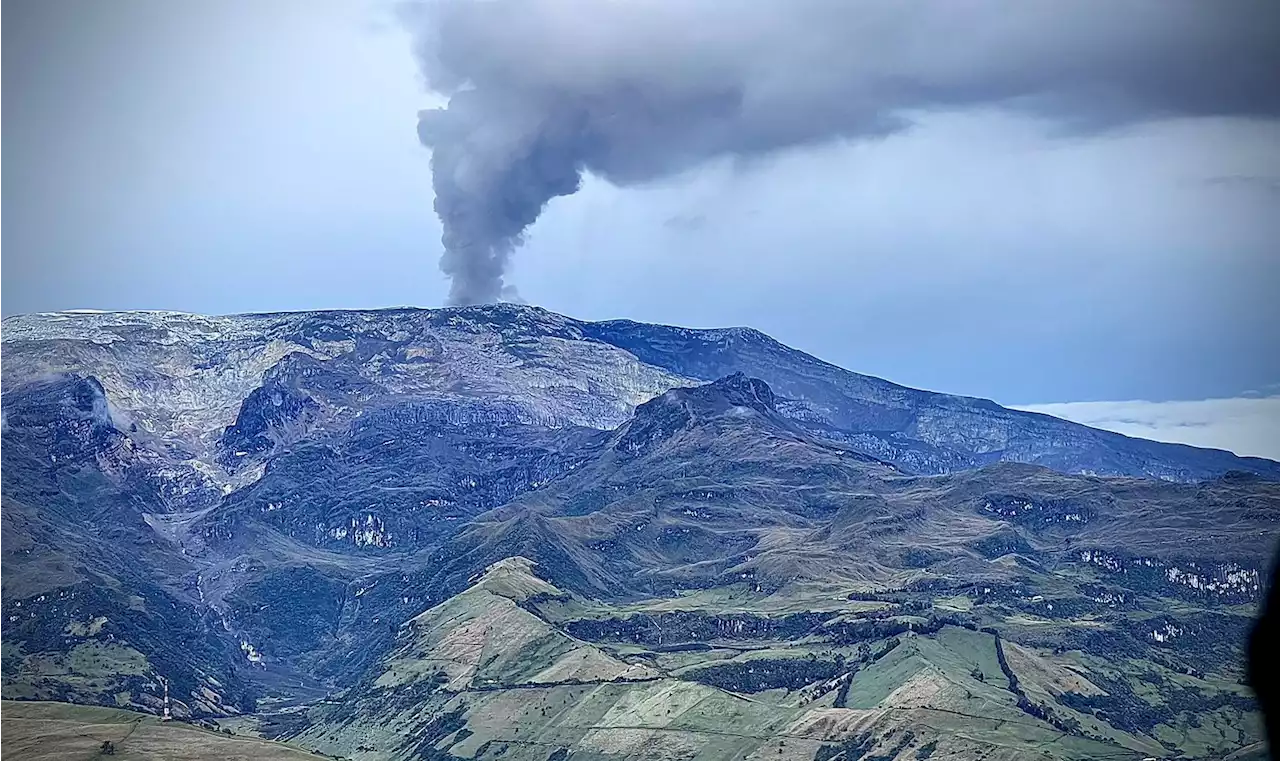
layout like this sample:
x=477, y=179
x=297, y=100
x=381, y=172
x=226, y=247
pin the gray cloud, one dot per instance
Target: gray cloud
x=541, y=91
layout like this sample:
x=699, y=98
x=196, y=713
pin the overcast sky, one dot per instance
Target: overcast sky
x=227, y=156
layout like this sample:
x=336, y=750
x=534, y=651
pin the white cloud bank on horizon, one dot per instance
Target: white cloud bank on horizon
x=1248, y=426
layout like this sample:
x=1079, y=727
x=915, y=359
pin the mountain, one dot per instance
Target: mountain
x=89, y=587
x=497, y=532
x=228, y=390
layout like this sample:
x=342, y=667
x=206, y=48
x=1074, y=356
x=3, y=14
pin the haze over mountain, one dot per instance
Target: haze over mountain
x=496, y=531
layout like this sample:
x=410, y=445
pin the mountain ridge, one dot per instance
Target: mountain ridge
x=402, y=353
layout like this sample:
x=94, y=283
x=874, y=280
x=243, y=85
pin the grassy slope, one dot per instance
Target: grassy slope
x=942, y=694
x=58, y=731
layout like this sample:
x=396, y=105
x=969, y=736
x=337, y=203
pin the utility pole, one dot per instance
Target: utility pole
x=165, y=683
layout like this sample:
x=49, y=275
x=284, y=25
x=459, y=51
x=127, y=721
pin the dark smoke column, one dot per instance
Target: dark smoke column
x=492, y=177
x=541, y=91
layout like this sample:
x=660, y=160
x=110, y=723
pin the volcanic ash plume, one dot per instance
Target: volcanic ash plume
x=541, y=91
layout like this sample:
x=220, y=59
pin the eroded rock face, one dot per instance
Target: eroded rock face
x=70, y=422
